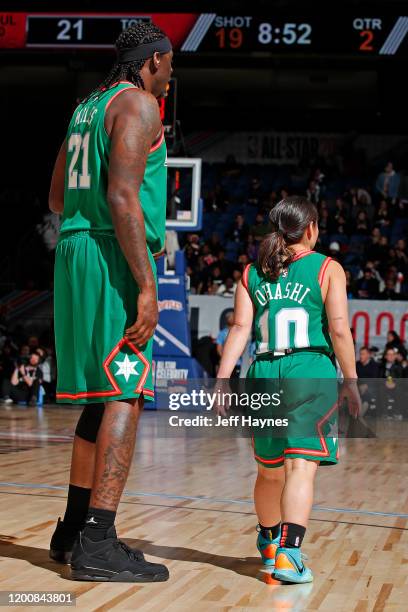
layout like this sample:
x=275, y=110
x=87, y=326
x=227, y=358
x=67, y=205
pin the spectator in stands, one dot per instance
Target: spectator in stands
x=401, y=256
x=389, y=293
x=391, y=366
x=367, y=286
x=25, y=381
x=48, y=380
x=350, y=285
x=221, y=339
x=217, y=199
x=270, y=202
x=366, y=366
x=313, y=192
x=212, y=279
x=260, y=229
x=236, y=275
x=24, y=354
x=324, y=223
x=387, y=183
x=243, y=261
x=362, y=226
x=392, y=370
x=374, y=250
x=227, y=289
x=257, y=194
x=382, y=218
x=224, y=265
x=341, y=225
x=252, y=248
x=318, y=177
x=395, y=342
x=334, y=251
x=207, y=255
x=239, y=231
x=215, y=243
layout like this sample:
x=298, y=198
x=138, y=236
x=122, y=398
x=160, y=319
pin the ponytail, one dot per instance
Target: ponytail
x=289, y=219
x=274, y=255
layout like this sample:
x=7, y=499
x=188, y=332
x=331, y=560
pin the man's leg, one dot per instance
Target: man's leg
x=113, y=456
x=80, y=483
x=98, y=555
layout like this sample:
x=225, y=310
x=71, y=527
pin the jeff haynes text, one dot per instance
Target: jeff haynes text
x=231, y=421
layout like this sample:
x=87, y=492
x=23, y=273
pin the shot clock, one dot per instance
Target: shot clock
x=328, y=34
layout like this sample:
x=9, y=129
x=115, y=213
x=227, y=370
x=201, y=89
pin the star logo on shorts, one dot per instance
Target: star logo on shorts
x=127, y=368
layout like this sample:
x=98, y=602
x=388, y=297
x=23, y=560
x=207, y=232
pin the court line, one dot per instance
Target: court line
x=214, y=500
x=241, y=512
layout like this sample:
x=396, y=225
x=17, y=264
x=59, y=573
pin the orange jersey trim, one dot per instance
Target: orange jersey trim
x=244, y=278
x=118, y=94
x=302, y=254
x=158, y=142
x=323, y=269
x=308, y=451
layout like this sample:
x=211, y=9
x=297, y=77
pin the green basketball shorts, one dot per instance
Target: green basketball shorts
x=95, y=301
x=307, y=385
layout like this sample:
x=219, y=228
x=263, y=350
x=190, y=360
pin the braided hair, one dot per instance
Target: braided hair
x=141, y=33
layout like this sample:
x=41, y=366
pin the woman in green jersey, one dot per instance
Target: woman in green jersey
x=296, y=299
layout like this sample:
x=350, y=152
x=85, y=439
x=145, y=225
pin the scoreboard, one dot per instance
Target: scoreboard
x=363, y=34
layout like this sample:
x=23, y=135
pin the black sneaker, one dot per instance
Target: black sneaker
x=111, y=560
x=63, y=540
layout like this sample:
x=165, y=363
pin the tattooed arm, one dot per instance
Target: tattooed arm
x=133, y=123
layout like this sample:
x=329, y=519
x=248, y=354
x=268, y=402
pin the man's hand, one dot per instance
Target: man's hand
x=349, y=392
x=22, y=370
x=147, y=317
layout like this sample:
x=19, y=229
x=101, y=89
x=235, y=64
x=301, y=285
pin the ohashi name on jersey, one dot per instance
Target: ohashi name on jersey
x=292, y=291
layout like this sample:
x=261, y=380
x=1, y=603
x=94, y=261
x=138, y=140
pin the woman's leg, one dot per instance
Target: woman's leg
x=297, y=496
x=267, y=495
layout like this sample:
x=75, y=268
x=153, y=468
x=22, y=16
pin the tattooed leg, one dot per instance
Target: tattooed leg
x=114, y=452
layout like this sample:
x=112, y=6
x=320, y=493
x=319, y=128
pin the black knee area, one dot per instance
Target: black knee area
x=89, y=422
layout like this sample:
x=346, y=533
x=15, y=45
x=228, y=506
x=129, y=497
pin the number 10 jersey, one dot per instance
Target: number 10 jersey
x=289, y=312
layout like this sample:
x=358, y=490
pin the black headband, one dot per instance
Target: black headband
x=144, y=51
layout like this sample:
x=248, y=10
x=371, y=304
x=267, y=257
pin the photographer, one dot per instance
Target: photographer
x=25, y=381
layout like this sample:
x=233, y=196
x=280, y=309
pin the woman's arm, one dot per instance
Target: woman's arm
x=239, y=332
x=337, y=315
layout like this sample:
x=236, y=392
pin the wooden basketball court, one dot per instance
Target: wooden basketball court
x=188, y=502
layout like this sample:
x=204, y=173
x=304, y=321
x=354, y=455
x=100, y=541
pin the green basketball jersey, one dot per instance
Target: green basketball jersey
x=289, y=312
x=86, y=173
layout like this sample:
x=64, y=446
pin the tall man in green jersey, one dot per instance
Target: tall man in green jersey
x=109, y=184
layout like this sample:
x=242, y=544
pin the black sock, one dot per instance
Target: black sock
x=77, y=507
x=292, y=535
x=97, y=523
x=270, y=532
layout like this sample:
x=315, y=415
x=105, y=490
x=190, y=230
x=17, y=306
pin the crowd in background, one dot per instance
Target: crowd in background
x=361, y=226
x=27, y=370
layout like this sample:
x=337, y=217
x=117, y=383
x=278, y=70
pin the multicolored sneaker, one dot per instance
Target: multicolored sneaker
x=267, y=548
x=289, y=566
